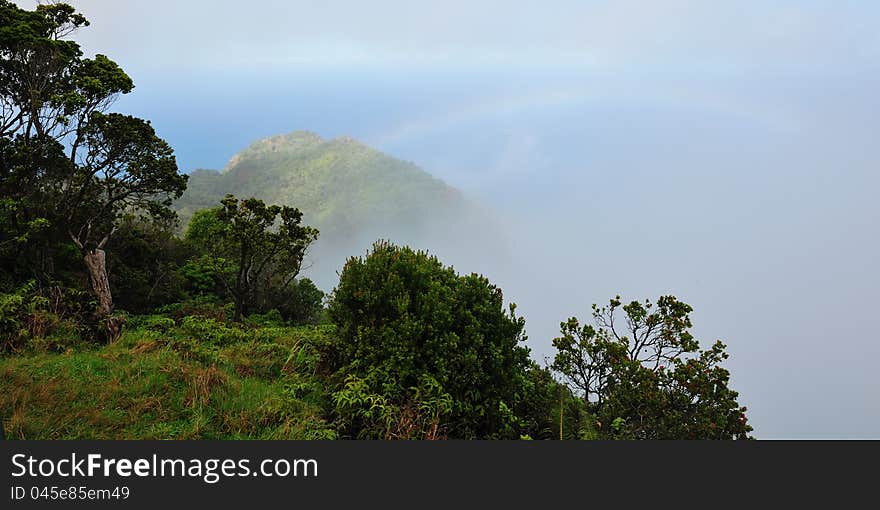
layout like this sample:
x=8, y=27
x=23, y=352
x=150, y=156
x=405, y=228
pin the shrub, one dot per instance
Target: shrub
x=11, y=311
x=46, y=318
x=211, y=331
x=404, y=318
x=545, y=406
x=272, y=318
x=157, y=323
x=302, y=302
x=376, y=416
x=63, y=335
x=204, y=306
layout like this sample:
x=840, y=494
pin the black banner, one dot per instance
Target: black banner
x=233, y=474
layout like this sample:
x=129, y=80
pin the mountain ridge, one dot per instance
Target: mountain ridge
x=353, y=193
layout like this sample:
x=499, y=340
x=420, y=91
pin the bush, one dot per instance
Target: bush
x=302, y=302
x=203, y=306
x=157, y=323
x=403, y=318
x=145, y=271
x=63, y=334
x=46, y=318
x=272, y=318
x=211, y=331
x=543, y=403
x=11, y=314
x=420, y=417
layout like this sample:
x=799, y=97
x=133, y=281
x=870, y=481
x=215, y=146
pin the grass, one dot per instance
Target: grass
x=195, y=379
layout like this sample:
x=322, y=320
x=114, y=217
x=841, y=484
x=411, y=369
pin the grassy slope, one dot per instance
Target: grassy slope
x=158, y=382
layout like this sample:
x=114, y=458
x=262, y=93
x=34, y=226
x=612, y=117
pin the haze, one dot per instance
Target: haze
x=725, y=152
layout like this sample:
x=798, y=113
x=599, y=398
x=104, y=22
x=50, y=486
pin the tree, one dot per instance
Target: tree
x=301, y=303
x=72, y=168
x=145, y=270
x=413, y=333
x=126, y=167
x=649, y=379
x=255, y=248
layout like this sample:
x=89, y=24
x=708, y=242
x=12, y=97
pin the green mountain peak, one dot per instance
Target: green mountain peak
x=351, y=192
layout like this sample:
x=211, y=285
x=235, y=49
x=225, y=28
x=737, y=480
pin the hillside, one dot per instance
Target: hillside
x=195, y=380
x=352, y=193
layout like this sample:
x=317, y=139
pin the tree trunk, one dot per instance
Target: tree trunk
x=96, y=262
x=239, y=309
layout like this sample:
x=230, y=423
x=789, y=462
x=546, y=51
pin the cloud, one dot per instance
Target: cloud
x=170, y=33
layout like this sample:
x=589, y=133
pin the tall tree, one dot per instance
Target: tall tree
x=255, y=247
x=73, y=168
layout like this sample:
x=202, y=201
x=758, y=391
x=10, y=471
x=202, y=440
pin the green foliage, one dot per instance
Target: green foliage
x=69, y=169
x=45, y=318
x=343, y=186
x=404, y=319
x=156, y=323
x=302, y=302
x=650, y=381
x=545, y=405
x=268, y=319
x=201, y=275
x=146, y=271
x=12, y=308
x=203, y=306
x=211, y=331
x=373, y=415
x=256, y=251
x=148, y=385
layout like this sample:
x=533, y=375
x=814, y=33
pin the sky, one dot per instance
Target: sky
x=725, y=152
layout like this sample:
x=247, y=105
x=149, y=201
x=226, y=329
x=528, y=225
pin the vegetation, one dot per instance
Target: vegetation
x=252, y=258
x=69, y=170
x=352, y=193
x=112, y=325
x=427, y=341
x=342, y=186
x=195, y=379
x=650, y=381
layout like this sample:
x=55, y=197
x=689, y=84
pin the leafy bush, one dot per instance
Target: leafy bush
x=208, y=306
x=144, y=272
x=403, y=318
x=201, y=274
x=211, y=331
x=271, y=318
x=302, y=302
x=45, y=318
x=157, y=323
x=11, y=311
x=547, y=409
x=376, y=416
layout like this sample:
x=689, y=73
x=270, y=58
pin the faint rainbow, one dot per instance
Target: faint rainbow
x=690, y=99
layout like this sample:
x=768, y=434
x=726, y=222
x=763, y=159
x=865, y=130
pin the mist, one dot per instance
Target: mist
x=727, y=156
